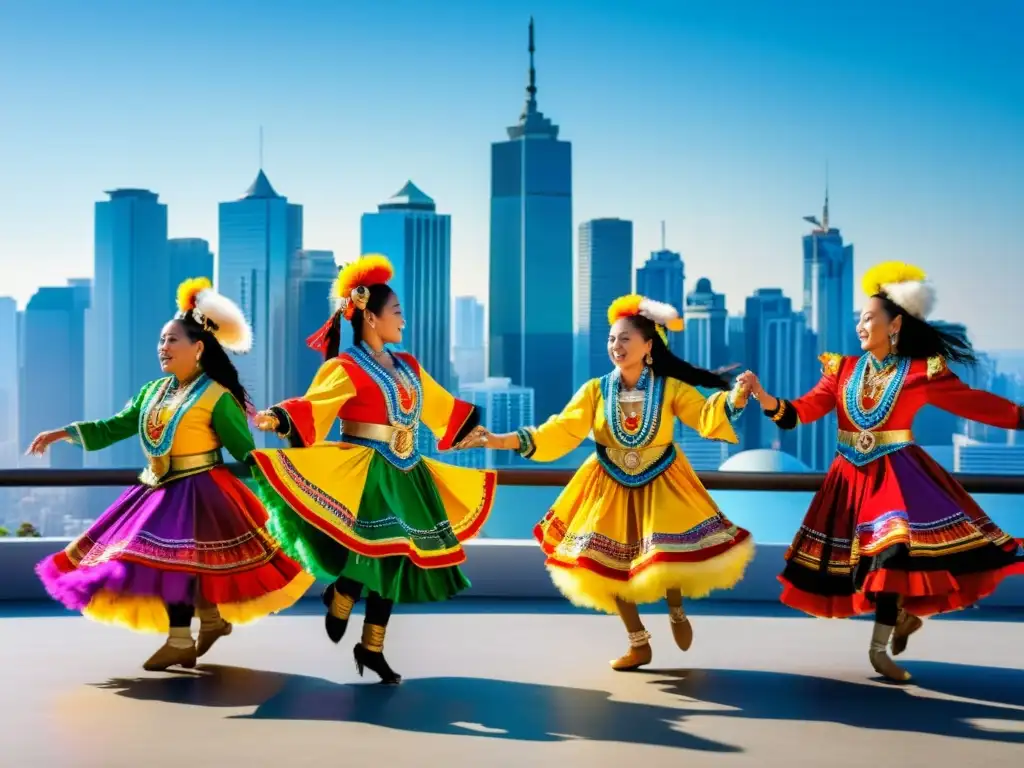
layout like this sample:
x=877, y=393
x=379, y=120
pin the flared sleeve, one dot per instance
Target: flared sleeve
x=710, y=417
x=308, y=419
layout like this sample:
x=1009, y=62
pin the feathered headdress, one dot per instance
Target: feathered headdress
x=351, y=290
x=217, y=314
x=905, y=285
x=664, y=316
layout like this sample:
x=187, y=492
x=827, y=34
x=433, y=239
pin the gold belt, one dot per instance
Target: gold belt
x=867, y=441
x=171, y=467
x=400, y=440
x=634, y=461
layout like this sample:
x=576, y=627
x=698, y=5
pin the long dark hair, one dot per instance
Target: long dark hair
x=669, y=365
x=919, y=339
x=215, y=361
x=379, y=295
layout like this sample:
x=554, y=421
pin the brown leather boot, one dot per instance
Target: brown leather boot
x=879, y=658
x=638, y=655
x=682, y=629
x=210, y=634
x=171, y=656
x=906, y=625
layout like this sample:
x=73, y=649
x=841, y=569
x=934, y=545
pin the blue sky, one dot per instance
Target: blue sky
x=717, y=117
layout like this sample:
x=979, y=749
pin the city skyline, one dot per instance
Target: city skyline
x=923, y=168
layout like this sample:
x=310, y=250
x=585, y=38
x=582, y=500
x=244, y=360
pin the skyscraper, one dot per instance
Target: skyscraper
x=662, y=278
x=260, y=233
x=468, y=350
x=189, y=257
x=828, y=286
x=530, y=317
x=604, y=272
x=54, y=368
x=131, y=301
x=417, y=239
x=8, y=382
x=782, y=351
x=309, y=306
x=707, y=334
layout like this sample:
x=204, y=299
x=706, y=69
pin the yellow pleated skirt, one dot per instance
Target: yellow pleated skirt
x=604, y=540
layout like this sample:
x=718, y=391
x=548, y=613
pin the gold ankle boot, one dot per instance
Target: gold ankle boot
x=879, y=658
x=638, y=655
x=682, y=629
x=906, y=625
x=174, y=653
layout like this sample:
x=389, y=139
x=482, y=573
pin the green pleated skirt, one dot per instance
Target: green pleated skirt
x=394, y=504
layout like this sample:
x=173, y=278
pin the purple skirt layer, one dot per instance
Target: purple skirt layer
x=155, y=541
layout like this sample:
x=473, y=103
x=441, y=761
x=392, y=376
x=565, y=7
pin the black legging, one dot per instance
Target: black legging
x=181, y=614
x=887, y=608
x=378, y=610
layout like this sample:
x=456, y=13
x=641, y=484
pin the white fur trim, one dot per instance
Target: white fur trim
x=658, y=311
x=233, y=331
x=915, y=296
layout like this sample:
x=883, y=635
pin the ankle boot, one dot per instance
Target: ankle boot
x=638, y=655
x=339, y=610
x=906, y=625
x=212, y=628
x=879, y=657
x=682, y=629
x=178, y=651
x=369, y=654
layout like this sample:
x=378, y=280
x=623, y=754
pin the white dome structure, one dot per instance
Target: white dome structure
x=763, y=460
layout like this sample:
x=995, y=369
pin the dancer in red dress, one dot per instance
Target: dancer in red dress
x=890, y=528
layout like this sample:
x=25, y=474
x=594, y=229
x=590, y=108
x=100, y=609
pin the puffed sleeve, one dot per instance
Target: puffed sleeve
x=710, y=417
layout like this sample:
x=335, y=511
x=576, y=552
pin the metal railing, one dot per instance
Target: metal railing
x=713, y=481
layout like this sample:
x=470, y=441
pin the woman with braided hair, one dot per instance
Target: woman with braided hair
x=890, y=531
x=635, y=525
x=190, y=537
x=370, y=514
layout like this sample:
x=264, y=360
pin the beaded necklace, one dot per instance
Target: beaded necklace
x=402, y=390
x=156, y=432
x=629, y=429
x=882, y=383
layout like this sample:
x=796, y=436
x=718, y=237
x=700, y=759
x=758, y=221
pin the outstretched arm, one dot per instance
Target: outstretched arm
x=308, y=419
x=559, y=435
x=814, y=405
x=710, y=417
x=97, y=435
x=449, y=418
x=948, y=392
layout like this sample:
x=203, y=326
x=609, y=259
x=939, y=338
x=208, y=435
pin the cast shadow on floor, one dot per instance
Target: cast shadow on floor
x=533, y=712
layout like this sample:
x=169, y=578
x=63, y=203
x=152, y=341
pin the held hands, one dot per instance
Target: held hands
x=266, y=421
x=478, y=437
x=749, y=379
x=44, y=440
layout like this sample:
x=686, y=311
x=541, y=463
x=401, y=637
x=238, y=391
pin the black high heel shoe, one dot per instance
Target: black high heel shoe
x=375, y=662
x=334, y=626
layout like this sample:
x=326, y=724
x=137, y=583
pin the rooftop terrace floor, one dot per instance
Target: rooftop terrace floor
x=513, y=684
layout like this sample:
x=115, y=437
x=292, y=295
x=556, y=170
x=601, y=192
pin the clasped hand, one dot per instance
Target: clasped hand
x=749, y=382
x=266, y=421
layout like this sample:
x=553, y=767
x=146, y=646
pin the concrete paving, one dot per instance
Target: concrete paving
x=503, y=686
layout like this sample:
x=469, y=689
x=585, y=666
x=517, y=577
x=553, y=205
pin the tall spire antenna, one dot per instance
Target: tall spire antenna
x=261, y=147
x=663, y=234
x=824, y=211
x=531, y=89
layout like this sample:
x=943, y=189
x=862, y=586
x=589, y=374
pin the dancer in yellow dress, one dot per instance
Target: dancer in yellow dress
x=634, y=525
x=370, y=514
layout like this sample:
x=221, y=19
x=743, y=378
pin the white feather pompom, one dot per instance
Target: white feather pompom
x=658, y=311
x=915, y=296
x=233, y=331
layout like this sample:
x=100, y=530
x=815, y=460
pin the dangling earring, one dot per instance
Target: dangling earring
x=893, y=338
x=648, y=359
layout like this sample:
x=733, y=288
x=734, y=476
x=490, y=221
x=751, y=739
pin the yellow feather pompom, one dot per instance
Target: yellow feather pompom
x=624, y=306
x=189, y=290
x=370, y=269
x=890, y=272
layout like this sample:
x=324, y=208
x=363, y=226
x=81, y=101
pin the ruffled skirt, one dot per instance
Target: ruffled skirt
x=344, y=510
x=201, y=538
x=604, y=540
x=902, y=525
